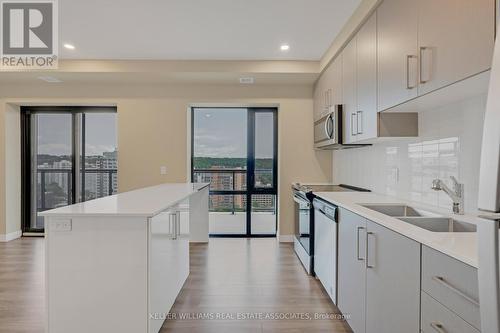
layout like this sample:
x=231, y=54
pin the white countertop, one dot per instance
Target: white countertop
x=461, y=246
x=147, y=202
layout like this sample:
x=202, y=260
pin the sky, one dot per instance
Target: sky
x=54, y=133
x=223, y=133
x=217, y=133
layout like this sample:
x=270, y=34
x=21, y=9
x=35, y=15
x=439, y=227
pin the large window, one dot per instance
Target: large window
x=235, y=150
x=69, y=156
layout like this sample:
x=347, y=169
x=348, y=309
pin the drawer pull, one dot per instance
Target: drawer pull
x=442, y=281
x=438, y=327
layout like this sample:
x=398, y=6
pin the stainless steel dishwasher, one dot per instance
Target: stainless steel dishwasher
x=325, y=246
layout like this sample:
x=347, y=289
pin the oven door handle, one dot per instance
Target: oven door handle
x=301, y=201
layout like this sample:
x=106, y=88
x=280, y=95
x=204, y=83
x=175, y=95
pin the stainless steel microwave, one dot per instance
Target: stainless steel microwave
x=328, y=129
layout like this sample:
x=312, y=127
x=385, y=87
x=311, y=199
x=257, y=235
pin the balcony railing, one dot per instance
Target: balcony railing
x=65, y=187
x=233, y=183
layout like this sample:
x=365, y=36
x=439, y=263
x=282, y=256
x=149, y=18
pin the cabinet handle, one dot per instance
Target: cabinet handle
x=353, y=121
x=174, y=220
x=441, y=280
x=357, y=244
x=360, y=122
x=178, y=222
x=438, y=327
x=421, y=74
x=408, y=58
x=368, y=234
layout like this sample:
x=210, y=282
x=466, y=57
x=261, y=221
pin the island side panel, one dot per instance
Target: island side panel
x=96, y=275
x=198, y=216
x=168, y=264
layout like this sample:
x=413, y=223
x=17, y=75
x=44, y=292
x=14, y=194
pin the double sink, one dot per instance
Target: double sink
x=422, y=219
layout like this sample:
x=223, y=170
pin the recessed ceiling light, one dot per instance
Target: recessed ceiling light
x=285, y=47
x=49, y=79
x=247, y=80
x=69, y=46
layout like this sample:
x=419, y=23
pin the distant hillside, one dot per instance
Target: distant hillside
x=229, y=163
x=45, y=158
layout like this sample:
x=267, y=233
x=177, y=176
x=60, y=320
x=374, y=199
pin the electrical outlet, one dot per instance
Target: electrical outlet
x=163, y=170
x=62, y=225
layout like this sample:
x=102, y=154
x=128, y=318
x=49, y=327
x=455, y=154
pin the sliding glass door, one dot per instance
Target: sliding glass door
x=68, y=156
x=263, y=174
x=235, y=150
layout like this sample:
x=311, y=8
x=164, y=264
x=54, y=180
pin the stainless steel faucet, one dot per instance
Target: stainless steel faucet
x=457, y=194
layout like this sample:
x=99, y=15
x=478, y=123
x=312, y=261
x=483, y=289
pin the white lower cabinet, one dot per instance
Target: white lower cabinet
x=352, y=269
x=453, y=284
x=392, y=281
x=378, y=277
x=436, y=318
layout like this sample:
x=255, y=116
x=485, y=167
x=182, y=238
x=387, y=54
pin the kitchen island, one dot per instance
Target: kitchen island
x=117, y=264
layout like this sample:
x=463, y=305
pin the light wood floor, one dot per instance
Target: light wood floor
x=229, y=277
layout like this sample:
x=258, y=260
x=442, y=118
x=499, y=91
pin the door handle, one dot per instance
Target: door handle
x=173, y=219
x=368, y=234
x=353, y=121
x=421, y=71
x=360, y=122
x=408, y=58
x=357, y=243
x=178, y=222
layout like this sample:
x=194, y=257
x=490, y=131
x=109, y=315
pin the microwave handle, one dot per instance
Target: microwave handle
x=328, y=121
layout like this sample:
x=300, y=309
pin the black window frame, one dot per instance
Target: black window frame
x=26, y=153
x=251, y=190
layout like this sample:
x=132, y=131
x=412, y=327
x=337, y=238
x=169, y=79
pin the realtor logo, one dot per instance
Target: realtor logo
x=29, y=34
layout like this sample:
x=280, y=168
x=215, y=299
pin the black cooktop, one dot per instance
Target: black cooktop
x=308, y=188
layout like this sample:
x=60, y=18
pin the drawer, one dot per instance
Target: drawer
x=438, y=319
x=452, y=283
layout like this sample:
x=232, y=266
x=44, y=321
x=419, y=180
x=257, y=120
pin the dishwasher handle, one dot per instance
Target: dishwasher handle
x=301, y=201
x=326, y=209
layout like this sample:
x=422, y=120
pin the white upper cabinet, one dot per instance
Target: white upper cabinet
x=366, y=81
x=349, y=92
x=428, y=44
x=336, y=80
x=455, y=40
x=404, y=50
x=319, y=98
x=397, y=52
x=328, y=89
x=438, y=43
x=476, y=36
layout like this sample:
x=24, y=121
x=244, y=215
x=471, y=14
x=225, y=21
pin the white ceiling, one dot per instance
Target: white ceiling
x=201, y=29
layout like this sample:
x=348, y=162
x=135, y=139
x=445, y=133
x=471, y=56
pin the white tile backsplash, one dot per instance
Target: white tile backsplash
x=449, y=145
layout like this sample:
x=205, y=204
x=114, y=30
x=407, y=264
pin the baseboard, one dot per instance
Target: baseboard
x=10, y=236
x=285, y=238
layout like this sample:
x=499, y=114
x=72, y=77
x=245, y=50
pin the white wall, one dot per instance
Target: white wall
x=449, y=143
x=153, y=125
